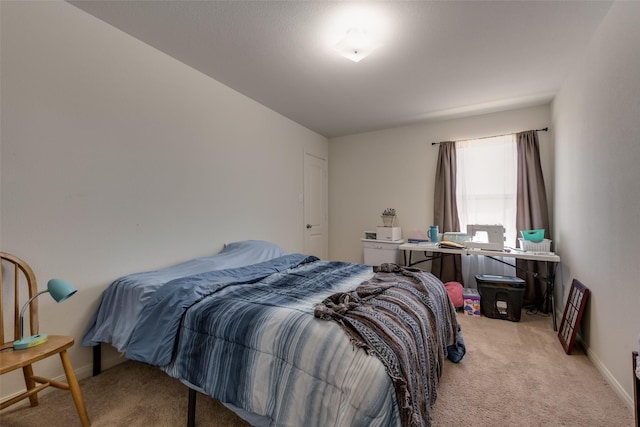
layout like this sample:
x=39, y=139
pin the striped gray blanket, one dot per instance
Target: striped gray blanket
x=403, y=317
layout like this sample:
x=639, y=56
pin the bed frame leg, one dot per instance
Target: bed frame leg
x=97, y=359
x=191, y=416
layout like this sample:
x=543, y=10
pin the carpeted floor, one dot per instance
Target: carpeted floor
x=517, y=374
x=514, y=374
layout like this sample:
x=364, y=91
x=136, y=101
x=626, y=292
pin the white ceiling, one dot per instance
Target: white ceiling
x=438, y=59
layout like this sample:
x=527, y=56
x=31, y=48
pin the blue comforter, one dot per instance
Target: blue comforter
x=125, y=298
x=248, y=337
x=258, y=346
x=154, y=335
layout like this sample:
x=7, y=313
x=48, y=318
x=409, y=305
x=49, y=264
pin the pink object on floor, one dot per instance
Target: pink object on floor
x=455, y=291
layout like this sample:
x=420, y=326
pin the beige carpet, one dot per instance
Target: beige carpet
x=514, y=374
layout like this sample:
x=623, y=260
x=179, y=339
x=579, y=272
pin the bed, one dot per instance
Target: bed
x=277, y=337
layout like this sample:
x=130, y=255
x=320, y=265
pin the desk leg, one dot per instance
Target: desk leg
x=551, y=276
x=407, y=264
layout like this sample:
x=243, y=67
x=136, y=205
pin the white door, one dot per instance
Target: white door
x=315, y=206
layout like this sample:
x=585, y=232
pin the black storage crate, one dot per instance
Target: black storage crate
x=501, y=296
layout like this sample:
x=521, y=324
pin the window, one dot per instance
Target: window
x=486, y=190
x=486, y=183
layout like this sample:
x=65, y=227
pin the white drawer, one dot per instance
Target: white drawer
x=381, y=246
x=377, y=252
x=377, y=244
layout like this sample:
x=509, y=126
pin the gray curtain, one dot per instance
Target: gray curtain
x=445, y=211
x=531, y=213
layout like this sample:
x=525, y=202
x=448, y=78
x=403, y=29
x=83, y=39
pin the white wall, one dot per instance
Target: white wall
x=396, y=168
x=117, y=158
x=596, y=121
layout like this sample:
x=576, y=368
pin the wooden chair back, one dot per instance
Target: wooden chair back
x=17, y=279
x=17, y=282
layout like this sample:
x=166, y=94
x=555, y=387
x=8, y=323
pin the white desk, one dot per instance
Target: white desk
x=551, y=260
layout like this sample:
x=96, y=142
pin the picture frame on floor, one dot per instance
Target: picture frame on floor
x=573, y=309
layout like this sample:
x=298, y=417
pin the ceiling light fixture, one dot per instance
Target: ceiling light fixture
x=355, y=45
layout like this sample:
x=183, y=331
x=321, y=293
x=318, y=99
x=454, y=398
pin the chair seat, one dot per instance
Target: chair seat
x=11, y=359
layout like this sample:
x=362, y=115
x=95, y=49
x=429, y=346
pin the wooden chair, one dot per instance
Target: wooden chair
x=11, y=359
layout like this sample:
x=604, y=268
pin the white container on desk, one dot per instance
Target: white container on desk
x=391, y=234
x=378, y=252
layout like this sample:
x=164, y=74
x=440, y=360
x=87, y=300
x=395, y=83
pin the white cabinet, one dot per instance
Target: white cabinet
x=378, y=252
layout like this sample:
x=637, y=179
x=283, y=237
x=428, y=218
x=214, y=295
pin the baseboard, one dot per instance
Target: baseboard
x=611, y=380
x=615, y=385
x=110, y=358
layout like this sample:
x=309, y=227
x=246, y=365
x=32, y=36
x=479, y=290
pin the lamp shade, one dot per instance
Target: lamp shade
x=60, y=289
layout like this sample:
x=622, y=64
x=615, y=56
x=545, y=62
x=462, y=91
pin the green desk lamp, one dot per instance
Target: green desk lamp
x=60, y=290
